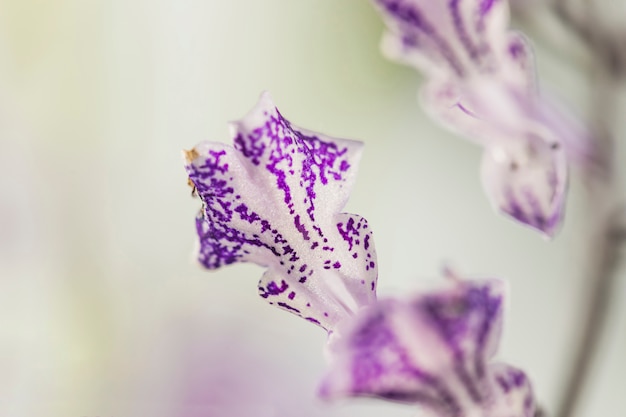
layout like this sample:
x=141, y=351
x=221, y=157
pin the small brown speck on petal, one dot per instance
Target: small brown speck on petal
x=190, y=155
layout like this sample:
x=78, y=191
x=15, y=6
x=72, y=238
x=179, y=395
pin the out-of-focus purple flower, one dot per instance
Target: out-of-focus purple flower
x=274, y=199
x=481, y=84
x=434, y=350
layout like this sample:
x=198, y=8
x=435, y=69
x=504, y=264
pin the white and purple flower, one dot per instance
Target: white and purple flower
x=274, y=199
x=482, y=84
x=433, y=349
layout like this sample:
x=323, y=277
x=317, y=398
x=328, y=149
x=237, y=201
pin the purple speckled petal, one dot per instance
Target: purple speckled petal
x=433, y=350
x=515, y=391
x=443, y=38
x=527, y=182
x=275, y=200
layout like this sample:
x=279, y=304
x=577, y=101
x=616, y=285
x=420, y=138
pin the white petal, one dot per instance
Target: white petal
x=275, y=200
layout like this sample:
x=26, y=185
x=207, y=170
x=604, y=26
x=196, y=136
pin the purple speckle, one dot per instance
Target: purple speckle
x=301, y=228
x=503, y=384
x=273, y=289
x=517, y=50
x=288, y=307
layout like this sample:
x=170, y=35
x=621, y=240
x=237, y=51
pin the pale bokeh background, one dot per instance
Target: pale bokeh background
x=102, y=311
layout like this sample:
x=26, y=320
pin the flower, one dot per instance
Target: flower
x=274, y=199
x=432, y=349
x=482, y=85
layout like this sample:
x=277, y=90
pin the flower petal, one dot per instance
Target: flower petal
x=527, y=182
x=448, y=103
x=432, y=349
x=274, y=199
x=516, y=392
x=482, y=85
x=484, y=110
x=453, y=37
x=517, y=63
x=524, y=168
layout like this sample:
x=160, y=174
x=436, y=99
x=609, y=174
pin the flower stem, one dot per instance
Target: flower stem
x=603, y=264
x=604, y=214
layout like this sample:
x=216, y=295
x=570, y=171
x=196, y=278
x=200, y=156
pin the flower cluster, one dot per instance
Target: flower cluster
x=275, y=199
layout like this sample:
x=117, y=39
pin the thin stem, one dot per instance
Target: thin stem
x=605, y=44
x=581, y=27
x=604, y=267
x=603, y=196
x=604, y=214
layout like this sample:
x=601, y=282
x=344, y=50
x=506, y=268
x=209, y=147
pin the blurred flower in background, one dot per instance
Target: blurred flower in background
x=103, y=312
x=482, y=84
